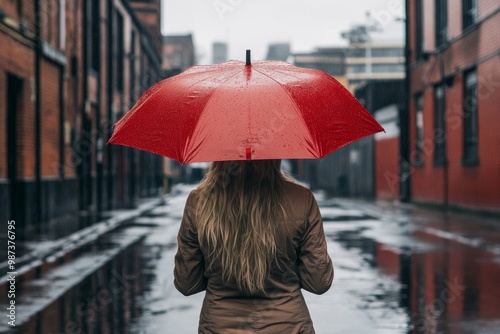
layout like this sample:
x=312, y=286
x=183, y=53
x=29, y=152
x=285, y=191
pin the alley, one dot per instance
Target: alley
x=112, y=110
x=398, y=269
x=395, y=272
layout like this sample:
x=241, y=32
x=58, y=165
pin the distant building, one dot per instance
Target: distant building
x=148, y=14
x=454, y=103
x=350, y=65
x=332, y=61
x=177, y=54
x=356, y=169
x=278, y=51
x=387, y=62
x=329, y=60
x=361, y=169
x=382, y=171
x=219, y=52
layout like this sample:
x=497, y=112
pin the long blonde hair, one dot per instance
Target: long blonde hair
x=239, y=205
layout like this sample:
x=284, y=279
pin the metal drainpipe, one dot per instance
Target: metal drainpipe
x=38, y=106
x=109, y=148
x=445, y=163
x=85, y=89
x=61, y=123
x=404, y=140
x=99, y=141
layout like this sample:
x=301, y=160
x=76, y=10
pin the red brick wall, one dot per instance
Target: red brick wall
x=10, y=8
x=477, y=185
x=387, y=168
x=462, y=53
x=149, y=15
x=467, y=186
x=487, y=7
x=50, y=120
x=49, y=21
x=18, y=60
x=427, y=180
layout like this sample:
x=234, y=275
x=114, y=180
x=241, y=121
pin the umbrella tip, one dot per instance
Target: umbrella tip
x=249, y=62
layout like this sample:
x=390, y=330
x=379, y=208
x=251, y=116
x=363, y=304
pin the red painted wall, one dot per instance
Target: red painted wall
x=387, y=168
x=477, y=186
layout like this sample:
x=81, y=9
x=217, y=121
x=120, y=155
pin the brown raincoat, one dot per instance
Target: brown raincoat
x=303, y=262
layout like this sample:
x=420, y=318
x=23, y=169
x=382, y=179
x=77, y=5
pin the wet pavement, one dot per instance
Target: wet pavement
x=398, y=269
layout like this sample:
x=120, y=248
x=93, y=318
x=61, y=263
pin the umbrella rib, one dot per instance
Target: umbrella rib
x=187, y=147
x=297, y=110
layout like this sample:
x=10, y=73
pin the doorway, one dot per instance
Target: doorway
x=16, y=191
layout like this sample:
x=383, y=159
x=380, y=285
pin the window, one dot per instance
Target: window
x=14, y=129
x=469, y=13
x=353, y=52
x=439, y=126
x=387, y=52
x=419, y=31
x=377, y=68
x=95, y=37
x=470, y=156
x=419, y=134
x=441, y=23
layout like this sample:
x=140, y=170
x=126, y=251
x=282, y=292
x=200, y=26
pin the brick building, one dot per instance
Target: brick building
x=177, y=54
x=68, y=71
x=454, y=102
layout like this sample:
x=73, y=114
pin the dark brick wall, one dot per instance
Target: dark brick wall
x=60, y=187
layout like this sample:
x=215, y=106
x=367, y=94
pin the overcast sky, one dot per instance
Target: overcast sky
x=253, y=24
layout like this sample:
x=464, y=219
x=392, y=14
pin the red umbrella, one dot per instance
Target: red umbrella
x=240, y=111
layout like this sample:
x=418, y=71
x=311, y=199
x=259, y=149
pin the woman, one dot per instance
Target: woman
x=252, y=238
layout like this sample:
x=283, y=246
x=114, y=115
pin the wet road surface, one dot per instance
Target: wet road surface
x=397, y=270
x=394, y=273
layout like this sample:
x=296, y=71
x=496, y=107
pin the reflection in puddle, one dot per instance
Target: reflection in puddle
x=104, y=302
x=448, y=288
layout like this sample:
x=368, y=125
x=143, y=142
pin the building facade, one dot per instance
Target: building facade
x=330, y=60
x=68, y=71
x=362, y=168
x=454, y=102
x=384, y=98
x=278, y=51
x=374, y=61
x=219, y=52
x=177, y=54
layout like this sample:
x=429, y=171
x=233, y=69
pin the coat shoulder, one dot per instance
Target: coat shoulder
x=299, y=197
x=297, y=189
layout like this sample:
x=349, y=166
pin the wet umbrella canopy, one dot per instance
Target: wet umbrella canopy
x=240, y=111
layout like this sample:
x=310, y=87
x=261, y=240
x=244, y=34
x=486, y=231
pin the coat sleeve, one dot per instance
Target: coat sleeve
x=189, y=267
x=315, y=265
